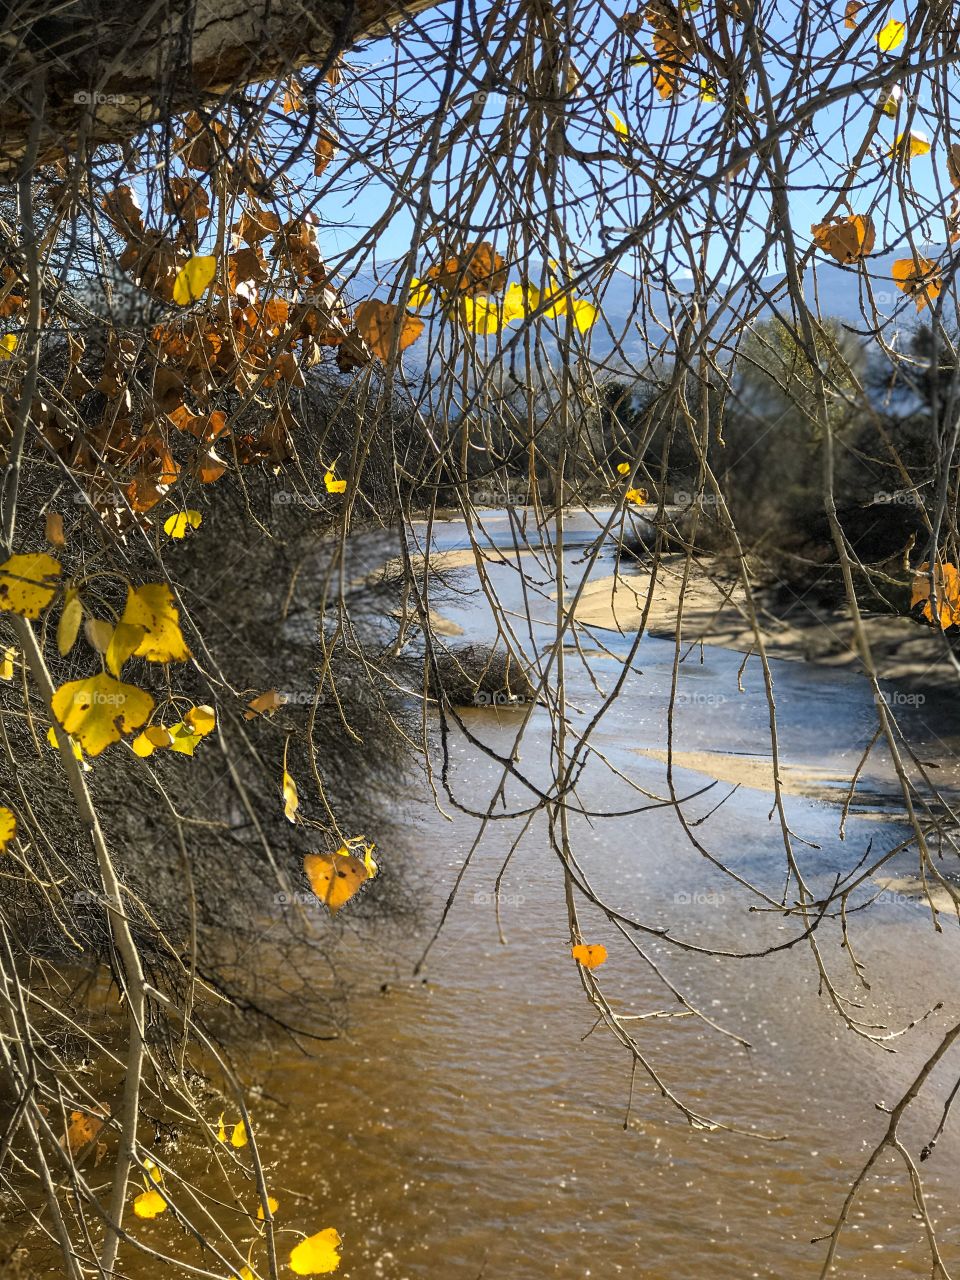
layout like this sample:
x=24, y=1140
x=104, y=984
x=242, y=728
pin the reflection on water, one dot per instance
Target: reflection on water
x=469, y=1125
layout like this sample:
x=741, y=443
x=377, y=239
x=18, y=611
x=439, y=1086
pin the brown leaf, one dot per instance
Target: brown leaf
x=847, y=239
x=326, y=150
x=376, y=322
x=54, y=529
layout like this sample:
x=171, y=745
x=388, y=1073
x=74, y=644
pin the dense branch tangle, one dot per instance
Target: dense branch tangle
x=219, y=210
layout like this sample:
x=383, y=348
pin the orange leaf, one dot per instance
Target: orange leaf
x=591, y=955
x=375, y=322
x=919, y=278
x=847, y=239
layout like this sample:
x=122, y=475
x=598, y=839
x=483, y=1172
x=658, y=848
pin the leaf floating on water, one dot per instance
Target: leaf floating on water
x=28, y=584
x=238, y=1138
x=83, y=1129
x=590, y=955
x=149, y=1204
x=318, y=1255
x=272, y=1205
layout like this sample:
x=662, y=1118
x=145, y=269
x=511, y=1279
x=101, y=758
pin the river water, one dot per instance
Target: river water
x=468, y=1126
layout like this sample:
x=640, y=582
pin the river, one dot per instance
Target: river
x=468, y=1126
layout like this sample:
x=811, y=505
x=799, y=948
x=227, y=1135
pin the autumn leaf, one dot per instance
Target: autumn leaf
x=70, y=618
x=7, y=668
x=911, y=144
x=83, y=1129
x=192, y=729
x=375, y=322
x=336, y=877
x=919, y=278
x=947, y=582
x=847, y=239
x=99, y=633
x=291, y=798
x=264, y=704
x=332, y=484
x=590, y=955
x=618, y=124
x=891, y=36
x=149, y=1204
x=584, y=314
x=177, y=525
x=638, y=496
x=126, y=638
x=193, y=279
x=8, y=827
x=99, y=710
x=75, y=747
x=238, y=1137
x=8, y=345
x=420, y=294
x=272, y=1205
x=28, y=584
x=623, y=468
x=317, y=1255
x=325, y=151
x=850, y=14
x=151, y=607
x=153, y=738
x=53, y=529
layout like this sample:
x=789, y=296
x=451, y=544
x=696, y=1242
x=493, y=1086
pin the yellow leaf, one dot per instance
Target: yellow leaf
x=176, y=526
x=332, y=484
x=53, y=529
x=124, y=641
x=100, y=710
x=154, y=1171
x=552, y=295
x=892, y=35
x=184, y=739
x=7, y=667
x=74, y=745
x=151, y=607
x=911, y=144
x=144, y=744
x=623, y=468
x=71, y=616
x=639, y=496
x=420, y=294
x=238, y=1138
x=222, y=1131
x=591, y=955
x=584, y=314
x=919, y=278
x=99, y=633
x=28, y=584
x=193, y=279
x=8, y=345
x=318, y=1255
x=482, y=315
x=201, y=719
x=8, y=827
x=291, y=799
x=272, y=1205
x=947, y=582
x=149, y=1204
x=336, y=877
x=618, y=125
x=514, y=303
x=708, y=89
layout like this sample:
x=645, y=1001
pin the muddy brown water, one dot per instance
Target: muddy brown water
x=468, y=1124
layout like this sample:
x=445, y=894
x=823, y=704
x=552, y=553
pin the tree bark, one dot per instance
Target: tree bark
x=115, y=66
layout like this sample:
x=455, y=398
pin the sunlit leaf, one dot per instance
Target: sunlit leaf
x=708, y=89
x=590, y=955
x=238, y=1137
x=153, y=738
x=318, y=1255
x=919, y=278
x=291, y=798
x=584, y=314
x=176, y=526
x=272, y=1205
x=639, y=496
x=75, y=747
x=332, y=484
x=127, y=636
x=8, y=345
x=151, y=607
x=911, y=144
x=618, y=124
x=891, y=36
x=947, y=583
x=850, y=14
x=623, y=468
x=264, y=704
x=8, y=827
x=336, y=877
x=420, y=294
x=83, y=1129
x=100, y=710
x=149, y=1204
x=28, y=583
x=847, y=239
x=71, y=616
x=193, y=279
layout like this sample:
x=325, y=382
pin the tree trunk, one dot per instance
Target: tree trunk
x=112, y=67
